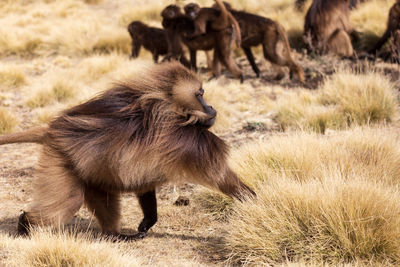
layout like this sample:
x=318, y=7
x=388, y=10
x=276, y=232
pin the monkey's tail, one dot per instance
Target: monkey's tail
x=288, y=55
x=34, y=135
x=285, y=40
x=228, y=17
x=237, y=29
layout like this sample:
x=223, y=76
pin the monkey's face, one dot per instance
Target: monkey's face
x=192, y=10
x=188, y=96
x=170, y=12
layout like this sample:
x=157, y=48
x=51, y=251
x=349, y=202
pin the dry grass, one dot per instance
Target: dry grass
x=322, y=199
x=64, y=249
x=332, y=220
x=11, y=77
x=8, y=122
x=332, y=199
x=345, y=99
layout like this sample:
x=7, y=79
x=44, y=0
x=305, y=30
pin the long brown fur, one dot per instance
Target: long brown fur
x=132, y=138
x=327, y=27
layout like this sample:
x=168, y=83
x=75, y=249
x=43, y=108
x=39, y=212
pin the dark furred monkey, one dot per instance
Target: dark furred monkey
x=179, y=27
x=151, y=38
x=393, y=24
x=225, y=29
x=257, y=30
x=132, y=138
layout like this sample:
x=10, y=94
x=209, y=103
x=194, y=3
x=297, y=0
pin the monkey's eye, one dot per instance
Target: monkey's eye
x=200, y=92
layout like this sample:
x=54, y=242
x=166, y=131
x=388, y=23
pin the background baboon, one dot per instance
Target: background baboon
x=205, y=42
x=327, y=27
x=177, y=25
x=256, y=30
x=393, y=24
x=133, y=137
x=152, y=39
x=225, y=29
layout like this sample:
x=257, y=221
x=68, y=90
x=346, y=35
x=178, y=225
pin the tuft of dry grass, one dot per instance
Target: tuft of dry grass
x=320, y=199
x=345, y=99
x=60, y=90
x=8, y=122
x=11, y=77
x=362, y=152
x=65, y=249
x=332, y=220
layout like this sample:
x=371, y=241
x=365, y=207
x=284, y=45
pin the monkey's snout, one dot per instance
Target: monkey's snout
x=210, y=111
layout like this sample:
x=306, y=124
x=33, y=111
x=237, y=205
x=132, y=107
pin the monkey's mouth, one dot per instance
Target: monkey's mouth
x=209, y=122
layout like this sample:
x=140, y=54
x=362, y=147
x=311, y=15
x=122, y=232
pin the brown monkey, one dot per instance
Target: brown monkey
x=179, y=27
x=256, y=30
x=393, y=24
x=132, y=138
x=299, y=4
x=225, y=29
x=152, y=39
x=205, y=42
x=176, y=25
x=327, y=27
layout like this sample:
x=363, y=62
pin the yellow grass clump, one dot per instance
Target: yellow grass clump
x=64, y=249
x=11, y=77
x=345, y=99
x=60, y=90
x=325, y=199
x=332, y=220
x=7, y=121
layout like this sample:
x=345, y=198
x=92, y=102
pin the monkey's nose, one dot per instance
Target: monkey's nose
x=211, y=111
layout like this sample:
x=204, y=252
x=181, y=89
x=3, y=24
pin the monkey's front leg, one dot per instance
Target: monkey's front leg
x=148, y=203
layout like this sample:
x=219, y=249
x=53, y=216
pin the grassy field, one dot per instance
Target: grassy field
x=323, y=157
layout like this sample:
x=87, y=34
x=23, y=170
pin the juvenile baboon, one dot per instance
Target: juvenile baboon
x=225, y=29
x=327, y=27
x=257, y=30
x=177, y=26
x=132, y=138
x=152, y=39
x=393, y=24
x=205, y=42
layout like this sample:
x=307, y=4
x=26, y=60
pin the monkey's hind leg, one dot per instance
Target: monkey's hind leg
x=340, y=44
x=58, y=194
x=105, y=206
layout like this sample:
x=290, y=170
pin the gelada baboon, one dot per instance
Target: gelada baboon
x=225, y=29
x=299, y=4
x=257, y=30
x=152, y=39
x=203, y=42
x=132, y=138
x=327, y=27
x=179, y=27
x=393, y=24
